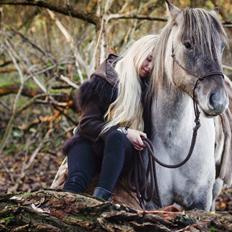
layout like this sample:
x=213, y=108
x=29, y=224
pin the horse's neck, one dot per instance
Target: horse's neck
x=172, y=110
x=173, y=121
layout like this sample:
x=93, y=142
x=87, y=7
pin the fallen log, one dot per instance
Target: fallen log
x=49, y=210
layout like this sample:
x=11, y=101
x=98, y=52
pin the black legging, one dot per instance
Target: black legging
x=83, y=164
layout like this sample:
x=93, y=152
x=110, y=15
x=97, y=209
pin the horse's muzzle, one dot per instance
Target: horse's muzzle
x=211, y=95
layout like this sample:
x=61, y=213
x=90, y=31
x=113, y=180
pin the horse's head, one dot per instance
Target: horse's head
x=194, y=48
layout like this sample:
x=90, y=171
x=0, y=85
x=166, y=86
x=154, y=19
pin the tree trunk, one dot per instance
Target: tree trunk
x=54, y=211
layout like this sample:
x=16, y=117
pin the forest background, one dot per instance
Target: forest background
x=47, y=49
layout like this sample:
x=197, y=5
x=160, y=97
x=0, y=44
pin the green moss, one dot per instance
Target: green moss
x=7, y=220
x=14, y=79
x=79, y=217
x=25, y=195
x=213, y=229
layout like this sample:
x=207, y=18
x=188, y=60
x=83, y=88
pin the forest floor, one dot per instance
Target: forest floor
x=44, y=210
x=18, y=177
x=18, y=174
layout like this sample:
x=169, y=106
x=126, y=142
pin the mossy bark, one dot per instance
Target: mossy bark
x=48, y=210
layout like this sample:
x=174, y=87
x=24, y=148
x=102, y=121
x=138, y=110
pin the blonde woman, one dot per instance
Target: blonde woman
x=112, y=120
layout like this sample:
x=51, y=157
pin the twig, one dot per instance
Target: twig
x=227, y=67
x=69, y=39
x=27, y=21
x=35, y=46
x=60, y=175
x=95, y=61
x=61, y=87
x=41, y=119
x=12, y=53
x=29, y=103
x=5, y=106
x=68, y=81
x=63, y=113
x=227, y=25
x=10, y=122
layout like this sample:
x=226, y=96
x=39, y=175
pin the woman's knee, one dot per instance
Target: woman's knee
x=116, y=136
x=81, y=159
x=71, y=143
x=79, y=147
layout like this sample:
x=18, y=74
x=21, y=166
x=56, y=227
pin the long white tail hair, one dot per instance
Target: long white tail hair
x=127, y=109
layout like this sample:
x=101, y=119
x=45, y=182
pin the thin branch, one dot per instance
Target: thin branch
x=70, y=40
x=39, y=120
x=29, y=103
x=12, y=55
x=60, y=175
x=227, y=67
x=227, y=25
x=5, y=106
x=10, y=122
x=68, y=81
x=29, y=18
x=96, y=56
x=67, y=116
x=65, y=9
x=35, y=46
x=134, y=16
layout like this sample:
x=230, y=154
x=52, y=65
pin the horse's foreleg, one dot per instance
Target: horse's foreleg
x=217, y=188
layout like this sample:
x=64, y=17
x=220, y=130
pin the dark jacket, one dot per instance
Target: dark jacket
x=94, y=97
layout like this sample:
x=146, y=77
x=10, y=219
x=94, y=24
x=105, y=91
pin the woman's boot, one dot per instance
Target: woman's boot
x=102, y=194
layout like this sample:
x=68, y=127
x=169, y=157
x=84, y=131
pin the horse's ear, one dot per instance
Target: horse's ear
x=173, y=10
x=215, y=11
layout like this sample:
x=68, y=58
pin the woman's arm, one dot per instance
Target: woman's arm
x=92, y=121
x=92, y=107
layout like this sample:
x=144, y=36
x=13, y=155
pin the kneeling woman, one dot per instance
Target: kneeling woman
x=112, y=120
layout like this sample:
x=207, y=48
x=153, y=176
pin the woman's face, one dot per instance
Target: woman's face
x=146, y=67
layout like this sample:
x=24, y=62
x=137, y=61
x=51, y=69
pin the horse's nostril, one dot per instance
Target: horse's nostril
x=212, y=99
x=217, y=102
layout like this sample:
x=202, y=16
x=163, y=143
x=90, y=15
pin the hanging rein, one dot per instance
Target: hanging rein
x=143, y=178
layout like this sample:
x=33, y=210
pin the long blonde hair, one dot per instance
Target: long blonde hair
x=127, y=110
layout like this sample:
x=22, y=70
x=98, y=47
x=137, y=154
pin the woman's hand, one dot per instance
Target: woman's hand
x=135, y=138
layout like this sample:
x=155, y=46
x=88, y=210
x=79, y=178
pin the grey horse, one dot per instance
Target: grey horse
x=187, y=66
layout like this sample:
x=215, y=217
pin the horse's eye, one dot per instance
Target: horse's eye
x=188, y=45
x=223, y=47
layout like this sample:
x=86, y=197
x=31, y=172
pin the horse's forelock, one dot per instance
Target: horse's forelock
x=202, y=28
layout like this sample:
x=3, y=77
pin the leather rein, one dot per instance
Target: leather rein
x=144, y=175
